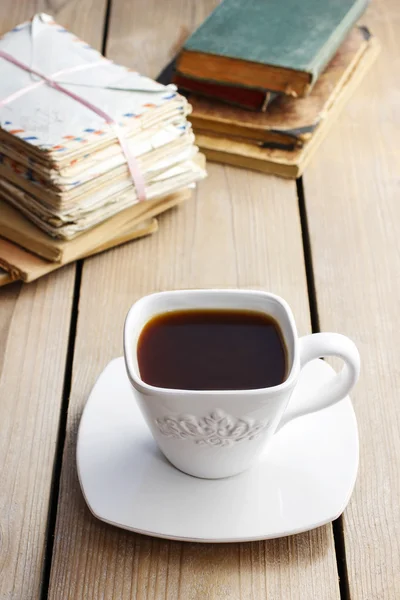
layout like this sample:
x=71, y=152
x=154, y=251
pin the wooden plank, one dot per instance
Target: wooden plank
x=34, y=329
x=84, y=17
x=352, y=199
x=34, y=326
x=242, y=229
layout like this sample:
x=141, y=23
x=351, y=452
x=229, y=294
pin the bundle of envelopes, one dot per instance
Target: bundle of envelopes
x=267, y=79
x=90, y=151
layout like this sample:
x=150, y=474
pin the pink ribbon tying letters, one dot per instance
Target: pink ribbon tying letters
x=133, y=166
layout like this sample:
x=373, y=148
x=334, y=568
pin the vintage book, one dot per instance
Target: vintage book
x=286, y=163
x=19, y=264
x=16, y=228
x=289, y=122
x=275, y=45
x=249, y=98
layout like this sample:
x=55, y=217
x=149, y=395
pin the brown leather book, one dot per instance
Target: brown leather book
x=248, y=98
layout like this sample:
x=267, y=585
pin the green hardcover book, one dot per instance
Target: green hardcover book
x=278, y=45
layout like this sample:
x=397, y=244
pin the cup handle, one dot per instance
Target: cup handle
x=318, y=345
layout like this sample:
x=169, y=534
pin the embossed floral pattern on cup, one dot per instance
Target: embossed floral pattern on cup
x=216, y=429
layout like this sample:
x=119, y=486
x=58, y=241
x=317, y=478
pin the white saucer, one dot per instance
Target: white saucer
x=303, y=480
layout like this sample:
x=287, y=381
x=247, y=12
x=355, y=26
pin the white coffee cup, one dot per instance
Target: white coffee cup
x=215, y=434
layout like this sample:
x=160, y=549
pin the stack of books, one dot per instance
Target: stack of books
x=266, y=79
x=90, y=151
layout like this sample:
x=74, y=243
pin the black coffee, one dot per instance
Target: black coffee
x=212, y=350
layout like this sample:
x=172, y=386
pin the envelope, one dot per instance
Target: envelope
x=50, y=120
x=61, y=163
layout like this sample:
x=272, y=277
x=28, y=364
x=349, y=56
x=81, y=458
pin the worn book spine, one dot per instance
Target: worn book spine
x=298, y=37
x=248, y=98
x=335, y=39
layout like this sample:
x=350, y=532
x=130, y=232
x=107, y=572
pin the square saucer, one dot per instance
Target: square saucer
x=303, y=479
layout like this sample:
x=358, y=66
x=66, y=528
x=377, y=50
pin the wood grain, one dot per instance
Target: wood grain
x=34, y=326
x=352, y=198
x=84, y=17
x=147, y=36
x=34, y=329
x=241, y=229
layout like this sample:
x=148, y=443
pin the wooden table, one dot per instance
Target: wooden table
x=330, y=245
